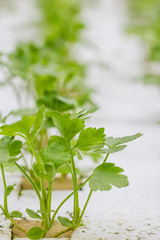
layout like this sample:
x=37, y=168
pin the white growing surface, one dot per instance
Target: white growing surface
x=126, y=107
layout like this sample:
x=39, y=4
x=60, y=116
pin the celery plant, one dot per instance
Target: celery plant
x=61, y=150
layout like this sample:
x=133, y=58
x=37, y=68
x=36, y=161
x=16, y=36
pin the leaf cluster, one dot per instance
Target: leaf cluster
x=74, y=139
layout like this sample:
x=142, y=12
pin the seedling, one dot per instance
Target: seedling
x=61, y=151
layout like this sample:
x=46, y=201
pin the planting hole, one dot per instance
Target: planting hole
x=28, y=224
x=64, y=183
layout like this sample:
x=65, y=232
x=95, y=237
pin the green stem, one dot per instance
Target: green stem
x=44, y=199
x=43, y=190
x=42, y=205
x=61, y=232
x=5, y=210
x=85, y=206
x=49, y=199
x=106, y=157
x=34, y=150
x=89, y=196
x=76, y=197
x=69, y=167
x=61, y=204
x=31, y=181
x=25, y=162
x=5, y=186
x=76, y=210
x=14, y=223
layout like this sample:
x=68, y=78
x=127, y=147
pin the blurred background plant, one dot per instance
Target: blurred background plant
x=46, y=67
x=145, y=22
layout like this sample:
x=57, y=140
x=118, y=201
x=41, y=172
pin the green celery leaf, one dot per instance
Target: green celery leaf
x=48, y=123
x=84, y=114
x=105, y=175
x=38, y=170
x=50, y=171
x=15, y=148
x=55, y=153
x=76, y=152
x=90, y=139
x=40, y=211
x=9, y=189
x=21, y=128
x=43, y=83
x=111, y=150
x=24, y=112
x=8, y=149
x=55, y=101
x=4, y=151
x=68, y=127
x=58, y=139
x=33, y=214
x=35, y=233
x=94, y=155
x=39, y=120
x=112, y=142
x=63, y=169
x=64, y=221
x=16, y=214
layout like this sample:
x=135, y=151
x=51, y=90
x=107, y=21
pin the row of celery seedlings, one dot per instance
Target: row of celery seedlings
x=55, y=81
x=145, y=22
